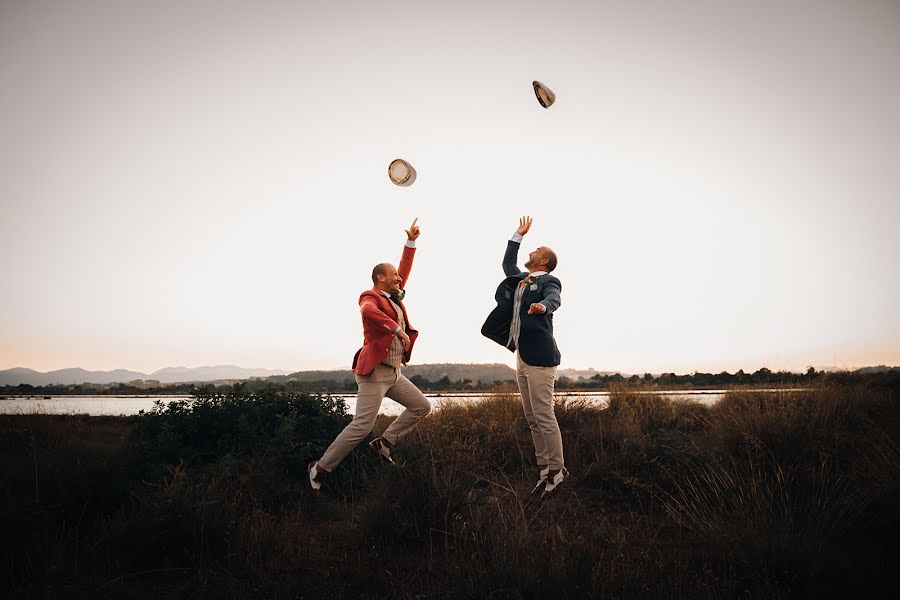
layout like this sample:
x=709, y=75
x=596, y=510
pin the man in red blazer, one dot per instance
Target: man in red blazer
x=388, y=340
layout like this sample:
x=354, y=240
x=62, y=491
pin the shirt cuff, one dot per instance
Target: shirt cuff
x=517, y=238
x=410, y=243
x=396, y=329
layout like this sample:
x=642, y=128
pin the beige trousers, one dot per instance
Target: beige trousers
x=383, y=381
x=536, y=388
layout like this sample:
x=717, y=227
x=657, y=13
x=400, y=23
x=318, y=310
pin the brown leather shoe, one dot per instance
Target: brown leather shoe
x=554, y=480
x=383, y=448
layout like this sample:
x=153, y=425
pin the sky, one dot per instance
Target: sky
x=197, y=183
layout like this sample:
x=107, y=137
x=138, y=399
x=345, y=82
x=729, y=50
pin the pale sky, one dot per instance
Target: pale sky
x=196, y=183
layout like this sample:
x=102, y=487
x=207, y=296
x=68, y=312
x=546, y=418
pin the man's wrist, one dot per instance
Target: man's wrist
x=410, y=243
x=517, y=238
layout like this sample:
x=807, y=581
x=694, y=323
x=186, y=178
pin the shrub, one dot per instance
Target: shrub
x=288, y=427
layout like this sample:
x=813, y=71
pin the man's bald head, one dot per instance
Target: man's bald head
x=385, y=277
x=381, y=269
x=542, y=259
x=550, y=255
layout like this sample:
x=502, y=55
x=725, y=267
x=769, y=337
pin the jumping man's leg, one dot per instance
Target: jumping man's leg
x=371, y=391
x=417, y=407
x=540, y=391
x=540, y=447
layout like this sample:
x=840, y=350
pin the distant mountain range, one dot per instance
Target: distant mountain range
x=434, y=372
x=485, y=373
x=167, y=375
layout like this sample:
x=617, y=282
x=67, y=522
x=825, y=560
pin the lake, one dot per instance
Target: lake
x=131, y=405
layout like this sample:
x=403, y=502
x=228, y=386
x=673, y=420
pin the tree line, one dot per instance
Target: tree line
x=666, y=381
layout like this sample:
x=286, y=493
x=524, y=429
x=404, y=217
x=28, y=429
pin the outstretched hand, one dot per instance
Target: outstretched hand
x=413, y=232
x=537, y=309
x=524, y=225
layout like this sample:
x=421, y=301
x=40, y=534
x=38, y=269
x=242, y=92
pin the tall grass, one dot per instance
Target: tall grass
x=761, y=495
x=789, y=472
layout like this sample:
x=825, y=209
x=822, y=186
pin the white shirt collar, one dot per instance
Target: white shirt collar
x=537, y=273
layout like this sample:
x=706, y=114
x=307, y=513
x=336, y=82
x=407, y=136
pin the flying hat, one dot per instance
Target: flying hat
x=544, y=94
x=401, y=172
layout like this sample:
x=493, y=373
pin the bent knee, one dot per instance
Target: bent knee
x=362, y=424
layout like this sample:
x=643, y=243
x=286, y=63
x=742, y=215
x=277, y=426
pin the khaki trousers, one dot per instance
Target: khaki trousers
x=536, y=388
x=383, y=381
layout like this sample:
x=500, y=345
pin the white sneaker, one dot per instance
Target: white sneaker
x=380, y=446
x=554, y=481
x=542, y=479
x=314, y=477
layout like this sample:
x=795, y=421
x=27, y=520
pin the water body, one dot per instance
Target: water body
x=131, y=405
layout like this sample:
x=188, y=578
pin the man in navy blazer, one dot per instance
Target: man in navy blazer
x=523, y=322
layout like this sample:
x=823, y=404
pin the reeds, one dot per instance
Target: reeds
x=761, y=495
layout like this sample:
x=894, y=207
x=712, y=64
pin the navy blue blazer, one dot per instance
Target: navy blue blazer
x=536, y=344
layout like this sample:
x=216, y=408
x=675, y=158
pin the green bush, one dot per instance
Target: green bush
x=272, y=423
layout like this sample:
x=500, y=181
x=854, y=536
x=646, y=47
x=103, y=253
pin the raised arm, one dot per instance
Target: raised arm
x=512, y=248
x=409, y=250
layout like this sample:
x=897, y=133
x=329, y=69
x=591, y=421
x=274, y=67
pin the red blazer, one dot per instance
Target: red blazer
x=379, y=322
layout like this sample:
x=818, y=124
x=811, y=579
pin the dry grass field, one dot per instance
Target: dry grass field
x=763, y=495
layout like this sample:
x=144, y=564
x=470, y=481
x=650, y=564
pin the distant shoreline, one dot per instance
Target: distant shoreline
x=441, y=393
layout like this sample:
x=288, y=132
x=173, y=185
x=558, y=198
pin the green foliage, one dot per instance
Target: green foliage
x=214, y=425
